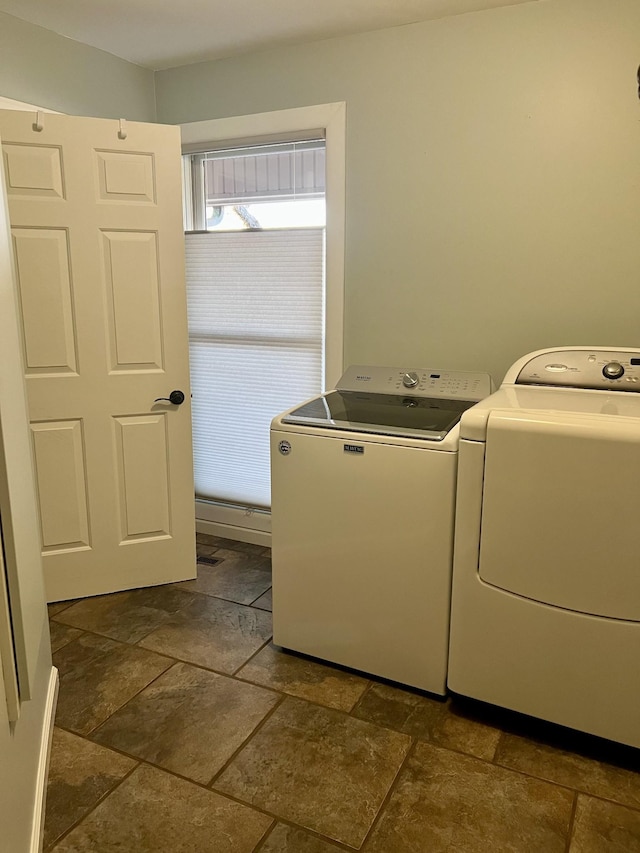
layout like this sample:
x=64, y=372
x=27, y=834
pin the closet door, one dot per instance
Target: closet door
x=96, y=220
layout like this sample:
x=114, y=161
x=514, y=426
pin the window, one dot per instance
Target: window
x=266, y=186
x=255, y=294
x=259, y=297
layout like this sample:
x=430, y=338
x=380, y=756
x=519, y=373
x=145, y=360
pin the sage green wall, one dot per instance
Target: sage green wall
x=493, y=175
x=40, y=67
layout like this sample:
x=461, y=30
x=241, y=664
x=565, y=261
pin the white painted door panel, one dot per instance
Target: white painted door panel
x=98, y=243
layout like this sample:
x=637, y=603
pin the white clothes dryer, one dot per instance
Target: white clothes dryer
x=546, y=581
x=363, y=489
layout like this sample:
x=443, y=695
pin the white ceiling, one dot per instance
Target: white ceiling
x=166, y=33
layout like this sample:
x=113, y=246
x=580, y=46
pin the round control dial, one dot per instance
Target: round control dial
x=410, y=380
x=613, y=370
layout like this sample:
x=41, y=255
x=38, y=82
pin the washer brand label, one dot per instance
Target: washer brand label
x=361, y=377
x=353, y=448
x=285, y=448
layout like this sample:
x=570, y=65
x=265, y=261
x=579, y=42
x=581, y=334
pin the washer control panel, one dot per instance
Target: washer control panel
x=419, y=382
x=607, y=370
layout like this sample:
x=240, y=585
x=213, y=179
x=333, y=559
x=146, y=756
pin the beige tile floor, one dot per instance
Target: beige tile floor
x=180, y=727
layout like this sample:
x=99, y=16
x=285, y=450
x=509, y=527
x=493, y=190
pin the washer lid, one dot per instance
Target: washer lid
x=381, y=414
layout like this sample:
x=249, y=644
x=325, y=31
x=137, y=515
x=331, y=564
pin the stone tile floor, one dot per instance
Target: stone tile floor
x=180, y=727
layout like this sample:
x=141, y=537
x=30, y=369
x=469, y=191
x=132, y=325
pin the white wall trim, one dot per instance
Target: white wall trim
x=232, y=522
x=229, y=531
x=331, y=118
x=10, y=104
x=37, y=830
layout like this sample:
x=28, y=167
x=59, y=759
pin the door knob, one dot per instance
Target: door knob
x=175, y=397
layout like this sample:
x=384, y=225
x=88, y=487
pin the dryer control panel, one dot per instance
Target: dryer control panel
x=596, y=369
x=417, y=382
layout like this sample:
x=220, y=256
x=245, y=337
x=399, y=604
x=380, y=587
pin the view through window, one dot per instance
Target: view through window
x=256, y=294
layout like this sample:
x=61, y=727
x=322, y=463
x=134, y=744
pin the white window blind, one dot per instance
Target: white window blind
x=256, y=304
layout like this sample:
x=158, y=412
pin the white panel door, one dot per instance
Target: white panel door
x=96, y=218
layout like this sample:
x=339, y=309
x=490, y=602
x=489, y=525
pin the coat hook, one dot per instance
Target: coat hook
x=122, y=132
x=38, y=123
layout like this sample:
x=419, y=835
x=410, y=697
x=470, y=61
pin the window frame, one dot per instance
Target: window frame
x=247, y=524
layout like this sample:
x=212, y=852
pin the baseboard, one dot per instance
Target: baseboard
x=37, y=831
x=231, y=531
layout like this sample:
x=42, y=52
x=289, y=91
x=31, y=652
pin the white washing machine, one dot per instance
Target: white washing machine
x=546, y=581
x=363, y=485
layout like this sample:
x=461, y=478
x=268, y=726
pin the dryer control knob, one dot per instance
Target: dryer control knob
x=613, y=370
x=410, y=380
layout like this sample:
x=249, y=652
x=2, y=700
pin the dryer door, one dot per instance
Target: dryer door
x=561, y=507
